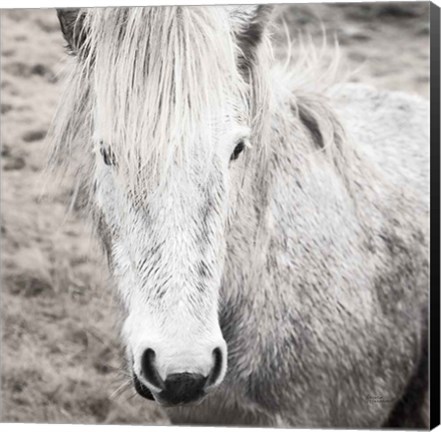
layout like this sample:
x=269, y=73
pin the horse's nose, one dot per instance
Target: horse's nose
x=183, y=388
x=177, y=388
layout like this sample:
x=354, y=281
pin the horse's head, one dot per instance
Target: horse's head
x=168, y=101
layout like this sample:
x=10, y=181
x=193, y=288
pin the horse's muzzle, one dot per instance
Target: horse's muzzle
x=177, y=388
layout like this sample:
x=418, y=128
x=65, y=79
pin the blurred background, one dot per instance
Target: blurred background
x=60, y=355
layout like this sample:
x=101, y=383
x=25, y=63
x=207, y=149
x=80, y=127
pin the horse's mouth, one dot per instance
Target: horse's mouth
x=163, y=398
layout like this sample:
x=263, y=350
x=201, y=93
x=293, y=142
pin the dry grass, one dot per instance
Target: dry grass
x=60, y=356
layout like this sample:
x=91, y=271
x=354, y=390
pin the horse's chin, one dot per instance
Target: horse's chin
x=166, y=404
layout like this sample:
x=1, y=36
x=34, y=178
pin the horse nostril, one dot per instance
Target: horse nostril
x=217, y=368
x=183, y=388
x=149, y=371
x=141, y=389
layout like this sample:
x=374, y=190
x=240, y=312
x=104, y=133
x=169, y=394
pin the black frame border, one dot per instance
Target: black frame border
x=434, y=215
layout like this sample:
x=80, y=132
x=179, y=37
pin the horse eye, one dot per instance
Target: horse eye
x=237, y=151
x=108, y=156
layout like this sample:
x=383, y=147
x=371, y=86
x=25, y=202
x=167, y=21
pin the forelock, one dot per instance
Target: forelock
x=160, y=76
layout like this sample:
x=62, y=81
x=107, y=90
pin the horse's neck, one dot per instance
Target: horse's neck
x=303, y=177
x=296, y=212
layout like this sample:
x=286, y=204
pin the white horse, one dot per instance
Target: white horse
x=268, y=237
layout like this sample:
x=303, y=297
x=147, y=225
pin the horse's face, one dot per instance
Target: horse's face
x=171, y=124
x=167, y=253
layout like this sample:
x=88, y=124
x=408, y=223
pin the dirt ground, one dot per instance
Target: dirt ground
x=60, y=355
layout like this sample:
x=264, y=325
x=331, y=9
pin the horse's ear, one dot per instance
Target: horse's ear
x=71, y=23
x=248, y=23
